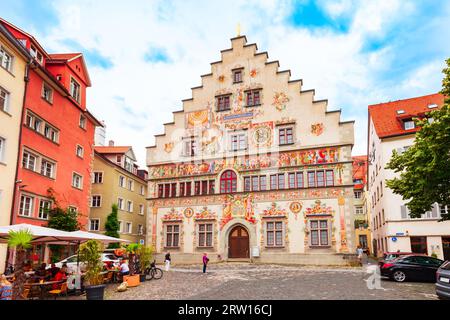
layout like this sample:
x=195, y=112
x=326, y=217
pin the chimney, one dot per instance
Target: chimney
x=111, y=143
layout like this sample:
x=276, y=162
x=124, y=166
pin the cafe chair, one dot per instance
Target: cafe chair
x=59, y=292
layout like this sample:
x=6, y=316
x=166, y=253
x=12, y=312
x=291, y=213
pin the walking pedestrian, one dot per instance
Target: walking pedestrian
x=167, y=261
x=359, y=252
x=205, y=261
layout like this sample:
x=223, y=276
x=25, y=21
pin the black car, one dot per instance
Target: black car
x=412, y=267
x=443, y=281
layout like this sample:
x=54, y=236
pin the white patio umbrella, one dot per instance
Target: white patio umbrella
x=40, y=234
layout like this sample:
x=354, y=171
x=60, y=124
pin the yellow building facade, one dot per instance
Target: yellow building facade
x=13, y=70
x=116, y=180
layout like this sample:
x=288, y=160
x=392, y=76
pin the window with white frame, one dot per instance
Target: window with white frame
x=96, y=201
x=80, y=151
x=141, y=209
x=6, y=59
x=75, y=89
x=29, y=161
x=253, y=98
x=120, y=226
x=238, y=141
x=98, y=177
x=205, y=235
x=409, y=124
x=359, y=210
x=42, y=127
x=4, y=100
x=120, y=203
x=77, y=181
x=285, y=135
x=94, y=224
x=51, y=133
x=237, y=76
x=48, y=168
x=2, y=148
x=131, y=185
x=190, y=147
x=140, y=229
x=128, y=164
x=128, y=227
x=319, y=230
x=223, y=102
x=274, y=233
x=172, y=232
x=357, y=194
x=129, y=206
x=47, y=92
x=121, y=181
x=142, y=192
x=44, y=208
x=82, y=122
x=26, y=206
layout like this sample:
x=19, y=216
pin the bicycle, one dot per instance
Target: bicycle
x=153, y=272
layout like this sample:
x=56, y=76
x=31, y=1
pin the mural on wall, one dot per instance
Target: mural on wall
x=317, y=129
x=253, y=73
x=237, y=206
x=280, y=100
x=210, y=143
x=285, y=159
x=197, y=119
x=285, y=120
x=205, y=214
x=274, y=211
x=262, y=134
x=221, y=78
x=172, y=215
x=168, y=147
x=318, y=209
x=188, y=213
x=295, y=208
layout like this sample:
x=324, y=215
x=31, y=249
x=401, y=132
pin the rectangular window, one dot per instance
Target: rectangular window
x=238, y=142
x=182, y=189
x=80, y=151
x=247, y=183
x=26, y=206
x=285, y=136
x=300, y=180
x=255, y=183
x=263, y=183
x=77, y=181
x=130, y=185
x=4, y=100
x=359, y=210
x=121, y=181
x=120, y=203
x=128, y=227
x=188, y=188
x=172, y=235
x=2, y=149
x=141, y=209
x=47, y=168
x=6, y=59
x=329, y=178
x=409, y=124
x=273, y=182
x=142, y=192
x=212, y=187
x=140, y=229
x=320, y=178
x=204, y=187
x=197, y=188
x=82, y=123
x=190, y=147
x=29, y=161
x=96, y=201
x=237, y=76
x=47, y=93
x=129, y=206
x=281, y=181
x=311, y=179
x=75, y=90
x=291, y=181
x=98, y=177
x=419, y=245
x=51, y=133
x=358, y=194
x=94, y=224
x=319, y=233
x=205, y=235
x=223, y=103
x=44, y=208
x=274, y=233
x=173, y=190
x=253, y=98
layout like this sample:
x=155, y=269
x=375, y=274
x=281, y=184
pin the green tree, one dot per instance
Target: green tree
x=21, y=241
x=112, y=226
x=66, y=220
x=425, y=167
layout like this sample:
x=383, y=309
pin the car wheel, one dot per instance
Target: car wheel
x=399, y=276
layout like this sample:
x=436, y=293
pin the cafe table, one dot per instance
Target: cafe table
x=42, y=286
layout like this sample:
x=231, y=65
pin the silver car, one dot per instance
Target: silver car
x=443, y=281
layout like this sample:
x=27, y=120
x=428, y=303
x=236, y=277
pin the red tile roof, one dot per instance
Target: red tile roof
x=388, y=122
x=107, y=149
x=360, y=170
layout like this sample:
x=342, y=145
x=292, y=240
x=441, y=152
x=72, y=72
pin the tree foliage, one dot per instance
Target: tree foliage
x=112, y=226
x=66, y=220
x=21, y=241
x=90, y=254
x=425, y=167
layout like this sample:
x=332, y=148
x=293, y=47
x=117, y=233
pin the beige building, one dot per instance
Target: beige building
x=116, y=179
x=13, y=70
x=252, y=168
x=391, y=128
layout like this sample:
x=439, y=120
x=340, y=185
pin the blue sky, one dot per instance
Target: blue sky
x=144, y=56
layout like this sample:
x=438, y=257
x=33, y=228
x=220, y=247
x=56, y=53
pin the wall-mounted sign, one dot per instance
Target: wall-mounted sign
x=394, y=239
x=399, y=234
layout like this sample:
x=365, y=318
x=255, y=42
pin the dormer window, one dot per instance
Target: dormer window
x=237, y=76
x=409, y=124
x=400, y=111
x=432, y=106
x=36, y=54
x=75, y=89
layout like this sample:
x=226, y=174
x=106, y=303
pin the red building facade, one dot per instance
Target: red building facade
x=57, y=136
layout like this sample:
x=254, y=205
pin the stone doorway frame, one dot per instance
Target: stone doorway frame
x=225, y=235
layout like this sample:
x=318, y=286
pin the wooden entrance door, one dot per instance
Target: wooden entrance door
x=446, y=247
x=238, y=242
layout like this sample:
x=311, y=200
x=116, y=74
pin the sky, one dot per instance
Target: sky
x=144, y=56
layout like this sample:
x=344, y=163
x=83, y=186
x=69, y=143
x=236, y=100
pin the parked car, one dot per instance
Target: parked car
x=412, y=267
x=443, y=281
x=72, y=261
x=389, y=256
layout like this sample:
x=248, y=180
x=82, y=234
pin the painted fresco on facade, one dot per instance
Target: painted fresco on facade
x=173, y=215
x=238, y=206
x=205, y=214
x=317, y=129
x=280, y=100
x=197, y=119
x=262, y=134
x=274, y=211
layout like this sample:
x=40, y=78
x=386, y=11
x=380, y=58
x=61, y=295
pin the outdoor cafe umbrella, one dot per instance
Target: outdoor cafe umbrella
x=40, y=234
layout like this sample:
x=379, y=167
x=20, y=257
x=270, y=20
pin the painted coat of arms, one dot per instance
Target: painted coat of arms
x=280, y=99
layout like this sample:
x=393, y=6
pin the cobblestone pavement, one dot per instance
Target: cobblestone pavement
x=249, y=281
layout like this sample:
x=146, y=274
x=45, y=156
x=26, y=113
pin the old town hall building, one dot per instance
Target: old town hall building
x=252, y=168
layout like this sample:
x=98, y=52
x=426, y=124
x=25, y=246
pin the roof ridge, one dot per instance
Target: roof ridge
x=406, y=99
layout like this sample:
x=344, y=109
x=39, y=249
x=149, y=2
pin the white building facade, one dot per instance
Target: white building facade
x=390, y=128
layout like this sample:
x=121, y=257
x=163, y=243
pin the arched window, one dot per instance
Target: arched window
x=228, y=182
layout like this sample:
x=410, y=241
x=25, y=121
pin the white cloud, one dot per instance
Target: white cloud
x=194, y=32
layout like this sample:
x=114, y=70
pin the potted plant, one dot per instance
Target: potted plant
x=145, y=256
x=90, y=254
x=133, y=279
x=21, y=241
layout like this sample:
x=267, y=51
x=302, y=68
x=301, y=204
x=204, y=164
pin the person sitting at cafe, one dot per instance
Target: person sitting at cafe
x=53, y=270
x=41, y=271
x=124, y=269
x=59, y=276
x=5, y=288
x=109, y=266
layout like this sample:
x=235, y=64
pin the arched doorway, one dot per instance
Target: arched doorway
x=238, y=243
